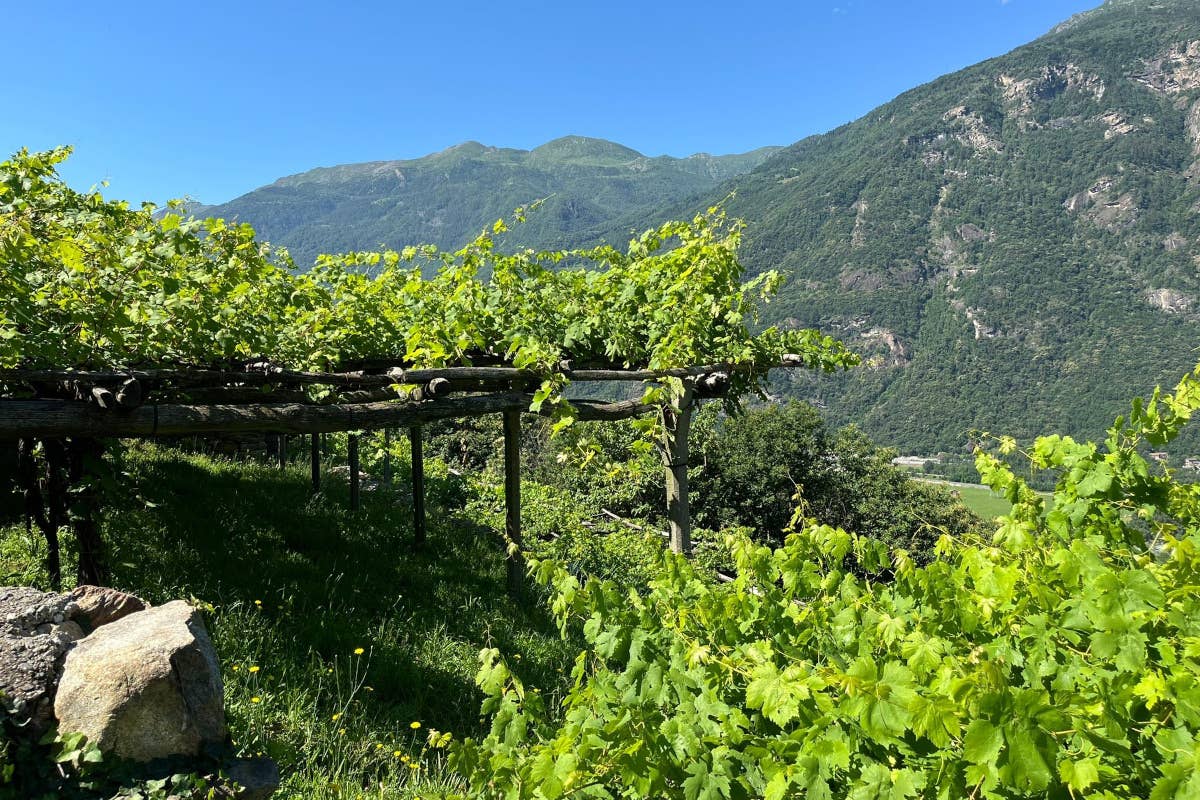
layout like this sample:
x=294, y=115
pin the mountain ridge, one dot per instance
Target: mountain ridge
x=447, y=197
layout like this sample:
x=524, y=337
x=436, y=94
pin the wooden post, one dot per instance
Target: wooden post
x=315, y=455
x=418, y=484
x=85, y=456
x=352, y=457
x=283, y=453
x=512, y=498
x=35, y=509
x=677, y=424
x=387, y=456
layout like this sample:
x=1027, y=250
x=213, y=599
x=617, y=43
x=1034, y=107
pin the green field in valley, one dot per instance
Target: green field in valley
x=980, y=499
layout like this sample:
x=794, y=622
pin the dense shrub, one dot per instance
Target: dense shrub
x=756, y=467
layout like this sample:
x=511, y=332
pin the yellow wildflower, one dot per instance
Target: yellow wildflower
x=414, y=724
x=358, y=651
x=253, y=670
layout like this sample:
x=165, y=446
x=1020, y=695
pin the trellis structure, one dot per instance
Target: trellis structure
x=73, y=409
x=399, y=338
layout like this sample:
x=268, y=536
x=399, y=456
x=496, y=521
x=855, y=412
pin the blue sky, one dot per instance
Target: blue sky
x=214, y=99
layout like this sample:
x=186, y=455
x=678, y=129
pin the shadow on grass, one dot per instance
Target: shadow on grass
x=328, y=581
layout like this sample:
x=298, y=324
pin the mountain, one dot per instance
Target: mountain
x=447, y=198
x=1014, y=247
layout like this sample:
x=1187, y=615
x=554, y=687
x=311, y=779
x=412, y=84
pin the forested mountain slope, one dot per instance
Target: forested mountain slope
x=1015, y=246
x=446, y=198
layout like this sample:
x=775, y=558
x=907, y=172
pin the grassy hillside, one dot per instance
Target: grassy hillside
x=296, y=585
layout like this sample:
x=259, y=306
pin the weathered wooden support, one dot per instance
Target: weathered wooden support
x=512, y=500
x=182, y=377
x=86, y=455
x=35, y=509
x=259, y=374
x=418, y=483
x=315, y=460
x=677, y=424
x=352, y=459
x=65, y=418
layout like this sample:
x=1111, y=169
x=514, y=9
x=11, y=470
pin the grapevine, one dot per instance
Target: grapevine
x=90, y=283
x=1058, y=658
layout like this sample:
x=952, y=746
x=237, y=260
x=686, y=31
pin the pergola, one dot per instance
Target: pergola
x=71, y=410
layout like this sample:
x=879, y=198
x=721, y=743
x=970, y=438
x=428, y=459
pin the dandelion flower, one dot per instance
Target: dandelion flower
x=378, y=745
x=336, y=716
x=258, y=603
x=397, y=753
x=253, y=670
x=236, y=667
x=413, y=765
x=358, y=651
x=414, y=724
x=341, y=731
x=255, y=699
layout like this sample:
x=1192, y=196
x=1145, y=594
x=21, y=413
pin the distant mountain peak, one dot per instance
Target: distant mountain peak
x=584, y=148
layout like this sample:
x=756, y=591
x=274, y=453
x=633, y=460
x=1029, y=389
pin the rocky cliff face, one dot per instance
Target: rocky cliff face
x=1025, y=231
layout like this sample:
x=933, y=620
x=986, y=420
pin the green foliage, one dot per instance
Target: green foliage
x=756, y=466
x=87, y=282
x=66, y=766
x=1057, y=658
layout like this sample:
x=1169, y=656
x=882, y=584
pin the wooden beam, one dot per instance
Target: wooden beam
x=418, y=483
x=60, y=418
x=259, y=374
x=182, y=377
x=512, y=500
x=677, y=423
x=352, y=458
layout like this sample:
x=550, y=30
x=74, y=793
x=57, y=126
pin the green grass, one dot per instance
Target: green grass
x=295, y=584
x=983, y=501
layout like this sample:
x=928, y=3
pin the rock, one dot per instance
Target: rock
x=258, y=778
x=35, y=633
x=99, y=605
x=146, y=686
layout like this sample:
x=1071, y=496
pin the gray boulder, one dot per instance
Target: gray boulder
x=36, y=631
x=146, y=686
x=100, y=605
x=257, y=778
